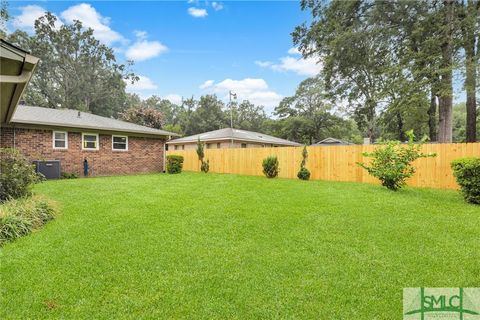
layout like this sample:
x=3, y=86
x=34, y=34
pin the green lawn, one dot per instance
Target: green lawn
x=224, y=246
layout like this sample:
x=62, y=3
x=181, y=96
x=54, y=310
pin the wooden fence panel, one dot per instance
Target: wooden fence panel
x=335, y=163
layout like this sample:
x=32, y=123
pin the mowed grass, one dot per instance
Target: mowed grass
x=233, y=247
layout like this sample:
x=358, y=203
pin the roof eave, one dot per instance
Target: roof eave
x=68, y=125
x=176, y=141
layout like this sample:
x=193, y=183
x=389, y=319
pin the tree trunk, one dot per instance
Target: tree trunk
x=432, y=120
x=401, y=133
x=471, y=72
x=446, y=78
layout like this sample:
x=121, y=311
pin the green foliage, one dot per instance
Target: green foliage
x=174, y=163
x=270, y=166
x=304, y=173
x=467, y=173
x=69, y=175
x=18, y=217
x=204, y=165
x=392, y=163
x=17, y=175
x=75, y=70
x=200, y=150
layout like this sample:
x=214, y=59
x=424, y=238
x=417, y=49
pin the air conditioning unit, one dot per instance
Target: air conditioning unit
x=49, y=168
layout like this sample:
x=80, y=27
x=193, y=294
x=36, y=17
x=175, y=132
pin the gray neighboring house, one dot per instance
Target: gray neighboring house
x=230, y=138
x=332, y=142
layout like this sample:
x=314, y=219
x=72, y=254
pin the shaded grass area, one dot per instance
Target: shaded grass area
x=224, y=246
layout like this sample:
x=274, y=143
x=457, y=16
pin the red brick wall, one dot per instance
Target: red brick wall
x=143, y=155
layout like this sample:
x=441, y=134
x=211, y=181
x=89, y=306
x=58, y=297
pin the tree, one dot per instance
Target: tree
x=205, y=115
x=248, y=116
x=4, y=17
x=470, y=24
x=144, y=116
x=354, y=55
x=75, y=70
x=306, y=117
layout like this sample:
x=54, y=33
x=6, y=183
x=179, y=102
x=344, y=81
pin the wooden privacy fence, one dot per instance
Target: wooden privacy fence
x=336, y=163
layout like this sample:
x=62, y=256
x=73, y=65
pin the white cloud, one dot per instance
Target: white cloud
x=144, y=83
x=263, y=64
x=90, y=18
x=143, y=50
x=140, y=34
x=197, y=12
x=305, y=67
x=294, y=51
x=174, y=98
x=254, y=90
x=28, y=14
x=207, y=84
x=217, y=6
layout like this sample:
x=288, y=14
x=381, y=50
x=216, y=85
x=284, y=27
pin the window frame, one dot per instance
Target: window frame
x=53, y=140
x=97, y=141
x=126, y=142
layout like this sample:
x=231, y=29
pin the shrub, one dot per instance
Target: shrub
x=204, y=165
x=467, y=173
x=69, y=175
x=392, y=163
x=270, y=166
x=19, y=217
x=17, y=175
x=174, y=163
x=304, y=173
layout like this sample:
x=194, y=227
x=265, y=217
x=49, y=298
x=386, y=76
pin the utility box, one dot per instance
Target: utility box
x=49, y=168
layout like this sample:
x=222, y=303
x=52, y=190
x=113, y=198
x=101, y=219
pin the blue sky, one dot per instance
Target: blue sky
x=193, y=47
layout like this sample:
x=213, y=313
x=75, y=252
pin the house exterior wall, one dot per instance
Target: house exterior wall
x=213, y=145
x=143, y=155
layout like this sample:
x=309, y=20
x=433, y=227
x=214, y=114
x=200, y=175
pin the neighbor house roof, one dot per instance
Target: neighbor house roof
x=235, y=134
x=331, y=141
x=69, y=118
x=16, y=70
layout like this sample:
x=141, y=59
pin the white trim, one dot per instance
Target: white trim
x=53, y=140
x=126, y=143
x=90, y=134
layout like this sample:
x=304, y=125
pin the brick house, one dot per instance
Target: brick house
x=111, y=147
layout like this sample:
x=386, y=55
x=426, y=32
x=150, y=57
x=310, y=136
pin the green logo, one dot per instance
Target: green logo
x=441, y=303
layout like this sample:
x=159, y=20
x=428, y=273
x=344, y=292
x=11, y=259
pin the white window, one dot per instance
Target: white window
x=90, y=141
x=176, y=147
x=120, y=143
x=60, y=140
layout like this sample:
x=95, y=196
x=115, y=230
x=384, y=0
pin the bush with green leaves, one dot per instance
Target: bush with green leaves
x=392, y=163
x=174, y=163
x=270, y=166
x=69, y=175
x=17, y=175
x=19, y=217
x=467, y=173
x=204, y=165
x=304, y=173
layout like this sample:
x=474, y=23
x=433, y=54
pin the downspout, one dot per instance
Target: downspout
x=164, y=153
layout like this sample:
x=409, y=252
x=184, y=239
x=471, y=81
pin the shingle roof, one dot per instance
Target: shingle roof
x=331, y=141
x=74, y=119
x=236, y=134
